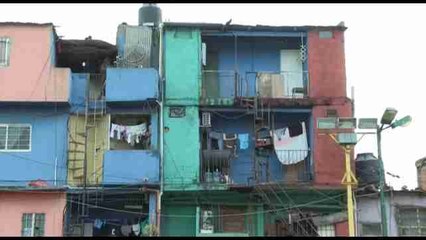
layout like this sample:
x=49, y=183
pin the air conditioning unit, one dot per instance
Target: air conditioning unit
x=206, y=119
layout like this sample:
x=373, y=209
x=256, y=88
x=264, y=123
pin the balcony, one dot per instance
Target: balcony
x=218, y=87
x=275, y=85
x=131, y=85
x=131, y=167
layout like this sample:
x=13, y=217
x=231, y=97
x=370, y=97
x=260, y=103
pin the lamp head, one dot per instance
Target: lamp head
x=388, y=116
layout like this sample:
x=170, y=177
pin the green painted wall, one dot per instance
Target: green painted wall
x=182, y=66
x=181, y=150
x=174, y=224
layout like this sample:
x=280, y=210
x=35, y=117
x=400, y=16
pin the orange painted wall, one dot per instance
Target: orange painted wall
x=31, y=75
x=13, y=205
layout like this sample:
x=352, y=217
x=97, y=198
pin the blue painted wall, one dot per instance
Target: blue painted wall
x=253, y=55
x=79, y=84
x=131, y=84
x=131, y=167
x=241, y=167
x=48, y=142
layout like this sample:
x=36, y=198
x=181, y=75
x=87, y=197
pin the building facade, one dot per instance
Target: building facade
x=230, y=94
x=179, y=129
x=34, y=98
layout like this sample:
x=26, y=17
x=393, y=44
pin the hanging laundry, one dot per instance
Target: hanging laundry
x=126, y=229
x=295, y=129
x=115, y=132
x=98, y=223
x=290, y=150
x=136, y=229
x=244, y=140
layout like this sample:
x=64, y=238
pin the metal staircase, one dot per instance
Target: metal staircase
x=94, y=110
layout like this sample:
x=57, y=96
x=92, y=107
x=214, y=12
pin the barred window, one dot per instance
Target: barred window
x=15, y=137
x=33, y=224
x=4, y=51
x=371, y=229
x=326, y=230
x=412, y=221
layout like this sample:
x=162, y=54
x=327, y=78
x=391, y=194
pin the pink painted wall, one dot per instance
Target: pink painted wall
x=31, y=75
x=13, y=205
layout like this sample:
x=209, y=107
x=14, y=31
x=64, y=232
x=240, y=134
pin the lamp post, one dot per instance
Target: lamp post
x=385, y=123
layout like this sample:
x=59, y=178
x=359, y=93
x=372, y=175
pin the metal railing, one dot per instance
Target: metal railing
x=218, y=84
x=215, y=166
x=295, y=170
x=280, y=84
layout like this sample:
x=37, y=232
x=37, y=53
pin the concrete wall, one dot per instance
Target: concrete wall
x=13, y=205
x=368, y=208
x=326, y=64
x=131, y=167
x=32, y=75
x=182, y=66
x=131, y=84
x=181, y=149
x=48, y=146
x=329, y=157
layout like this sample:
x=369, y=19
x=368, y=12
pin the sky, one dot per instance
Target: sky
x=385, y=46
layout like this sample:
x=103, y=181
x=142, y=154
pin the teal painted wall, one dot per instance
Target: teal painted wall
x=182, y=66
x=175, y=221
x=181, y=150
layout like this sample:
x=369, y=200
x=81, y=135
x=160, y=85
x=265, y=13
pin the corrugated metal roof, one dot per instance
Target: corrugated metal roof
x=25, y=24
x=237, y=27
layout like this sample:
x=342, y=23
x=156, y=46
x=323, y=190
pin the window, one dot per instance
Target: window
x=325, y=34
x=371, y=229
x=412, y=221
x=33, y=224
x=4, y=51
x=15, y=137
x=331, y=112
x=326, y=230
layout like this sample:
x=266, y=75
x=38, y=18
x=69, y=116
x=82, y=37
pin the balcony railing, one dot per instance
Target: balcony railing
x=284, y=84
x=273, y=170
x=215, y=166
x=218, y=87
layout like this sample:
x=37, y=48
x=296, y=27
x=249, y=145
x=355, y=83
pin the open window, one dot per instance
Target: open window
x=217, y=219
x=130, y=132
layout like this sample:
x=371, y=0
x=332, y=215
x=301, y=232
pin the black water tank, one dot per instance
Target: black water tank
x=149, y=13
x=367, y=169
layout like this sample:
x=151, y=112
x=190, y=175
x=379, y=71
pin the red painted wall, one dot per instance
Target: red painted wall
x=326, y=65
x=329, y=157
x=341, y=229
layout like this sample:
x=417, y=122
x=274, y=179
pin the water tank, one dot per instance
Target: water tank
x=421, y=173
x=367, y=169
x=149, y=14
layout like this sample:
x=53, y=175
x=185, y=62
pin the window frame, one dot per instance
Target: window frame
x=375, y=224
x=7, y=51
x=7, y=136
x=418, y=227
x=328, y=229
x=33, y=224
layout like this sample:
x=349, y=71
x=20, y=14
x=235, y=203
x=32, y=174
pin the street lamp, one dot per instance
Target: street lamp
x=386, y=122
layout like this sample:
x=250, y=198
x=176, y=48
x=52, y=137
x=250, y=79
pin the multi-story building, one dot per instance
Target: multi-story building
x=113, y=133
x=34, y=98
x=241, y=148
x=196, y=129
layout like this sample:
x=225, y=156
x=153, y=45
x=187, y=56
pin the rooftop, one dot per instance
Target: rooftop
x=25, y=24
x=237, y=27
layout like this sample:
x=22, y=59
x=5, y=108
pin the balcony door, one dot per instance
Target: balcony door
x=292, y=70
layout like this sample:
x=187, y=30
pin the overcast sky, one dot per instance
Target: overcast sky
x=385, y=49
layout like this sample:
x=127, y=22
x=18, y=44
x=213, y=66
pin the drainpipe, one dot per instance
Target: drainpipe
x=160, y=72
